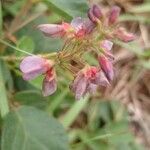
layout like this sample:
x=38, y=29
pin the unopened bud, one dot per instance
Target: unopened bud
x=114, y=14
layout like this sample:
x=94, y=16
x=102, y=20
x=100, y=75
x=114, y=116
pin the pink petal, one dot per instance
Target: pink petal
x=49, y=87
x=106, y=45
x=32, y=66
x=92, y=88
x=89, y=26
x=124, y=36
x=77, y=23
x=100, y=79
x=52, y=30
x=114, y=14
x=79, y=86
x=107, y=67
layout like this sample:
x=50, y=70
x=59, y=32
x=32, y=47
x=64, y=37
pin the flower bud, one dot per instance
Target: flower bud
x=124, y=36
x=107, y=67
x=97, y=11
x=52, y=30
x=114, y=14
x=94, y=13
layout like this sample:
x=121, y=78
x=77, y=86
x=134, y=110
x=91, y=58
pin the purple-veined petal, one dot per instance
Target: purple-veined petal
x=81, y=89
x=89, y=26
x=114, y=14
x=107, y=67
x=52, y=30
x=106, y=45
x=32, y=66
x=77, y=23
x=79, y=86
x=92, y=88
x=100, y=79
x=49, y=86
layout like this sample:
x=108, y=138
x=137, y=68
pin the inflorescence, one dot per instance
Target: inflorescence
x=93, y=35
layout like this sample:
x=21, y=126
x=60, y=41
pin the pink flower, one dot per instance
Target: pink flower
x=113, y=15
x=33, y=66
x=106, y=66
x=123, y=35
x=87, y=81
x=77, y=28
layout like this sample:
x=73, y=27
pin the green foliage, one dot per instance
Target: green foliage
x=31, y=98
x=68, y=9
x=28, y=128
x=4, y=109
x=25, y=43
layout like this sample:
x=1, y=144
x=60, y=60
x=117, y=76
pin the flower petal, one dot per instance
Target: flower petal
x=79, y=85
x=32, y=66
x=77, y=23
x=100, y=79
x=52, y=30
x=107, y=67
x=89, y=26
x=106, y=45
x=92, y=88
x=49, y=87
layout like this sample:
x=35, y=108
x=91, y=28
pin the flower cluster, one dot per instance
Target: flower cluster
x=92, y=35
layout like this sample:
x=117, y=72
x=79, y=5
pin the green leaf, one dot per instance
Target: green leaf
x=42, y=44
x=31, y=98
x=13, y=8
x=25, y=43
x=28, y=128
x=68, y=9
x=4, y=109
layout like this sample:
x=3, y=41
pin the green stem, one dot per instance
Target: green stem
x=14, y=58
x=17, y=49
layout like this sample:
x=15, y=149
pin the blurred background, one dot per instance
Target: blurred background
x=116, y=117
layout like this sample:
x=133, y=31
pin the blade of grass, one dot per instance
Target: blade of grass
x=55, y=103
x=1, y=20
x=74, y=111
x=13, y=47
x=4, y=108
